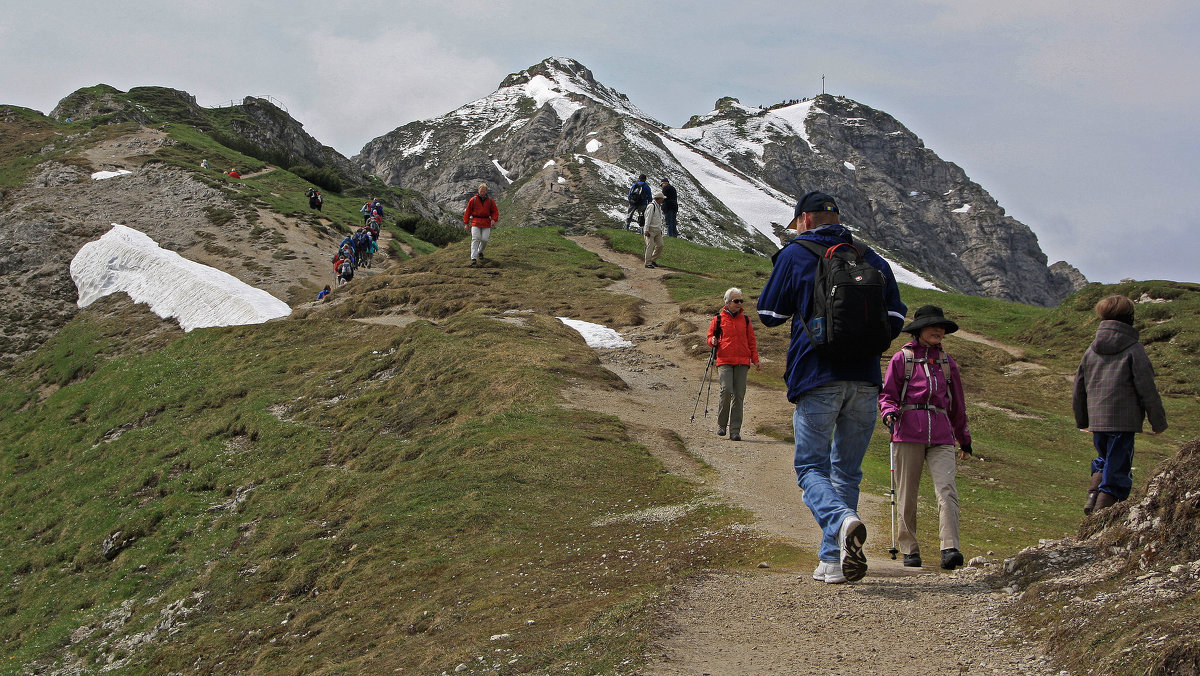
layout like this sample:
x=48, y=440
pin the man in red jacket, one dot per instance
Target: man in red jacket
x=480, y=216
x=733, y=336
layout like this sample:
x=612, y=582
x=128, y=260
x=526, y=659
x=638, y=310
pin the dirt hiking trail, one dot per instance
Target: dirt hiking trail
x=773, y=621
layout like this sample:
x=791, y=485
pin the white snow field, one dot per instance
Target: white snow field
x=596, y=335
x=197, y=295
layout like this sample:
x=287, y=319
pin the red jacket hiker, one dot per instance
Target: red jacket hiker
x=481, y=213
x=737, y=345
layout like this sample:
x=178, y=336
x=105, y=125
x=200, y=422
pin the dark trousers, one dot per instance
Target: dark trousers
x=638, y=210
x=1114, y=460
x=669, y=219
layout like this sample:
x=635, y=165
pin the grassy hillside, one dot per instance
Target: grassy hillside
x=320, y=495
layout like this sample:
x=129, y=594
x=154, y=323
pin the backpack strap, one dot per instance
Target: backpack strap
x=910, y=361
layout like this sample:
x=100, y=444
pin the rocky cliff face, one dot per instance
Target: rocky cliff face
x=264, y=124
x=559, y=148
x=922, y=211
x=556, y=148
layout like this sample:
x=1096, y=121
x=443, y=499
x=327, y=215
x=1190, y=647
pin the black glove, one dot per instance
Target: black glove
x=889, y=421
x=966, y=448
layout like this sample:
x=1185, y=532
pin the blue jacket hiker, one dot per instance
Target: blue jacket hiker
x=835, y=398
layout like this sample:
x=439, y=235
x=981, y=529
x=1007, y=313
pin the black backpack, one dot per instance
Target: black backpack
x=640, y=193
x=849, y=319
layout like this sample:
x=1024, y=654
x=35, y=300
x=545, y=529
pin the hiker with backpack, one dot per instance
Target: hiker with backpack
x=845, y=309
x=670, y=207
x=315, y=200
x=653, y=233
x=639, y=197
x=922, y=404
x=732, y=335
x=1114, y=395
x=481, y=214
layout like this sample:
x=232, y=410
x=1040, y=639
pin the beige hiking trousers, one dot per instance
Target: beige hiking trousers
x=910, y=457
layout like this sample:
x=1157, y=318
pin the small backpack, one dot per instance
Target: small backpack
x=639, y=193
x=849, y=319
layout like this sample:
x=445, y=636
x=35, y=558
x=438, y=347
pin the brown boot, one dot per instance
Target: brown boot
x=1105, y=500
x=1093, y=491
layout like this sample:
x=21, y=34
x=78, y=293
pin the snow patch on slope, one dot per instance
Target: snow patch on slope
x=197, y=295
x=757, y=207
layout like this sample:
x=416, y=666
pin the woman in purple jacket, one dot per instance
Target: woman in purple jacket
x=922, y=404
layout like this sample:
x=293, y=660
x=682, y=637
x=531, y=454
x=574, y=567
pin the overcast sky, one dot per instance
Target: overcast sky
x=1078, y=117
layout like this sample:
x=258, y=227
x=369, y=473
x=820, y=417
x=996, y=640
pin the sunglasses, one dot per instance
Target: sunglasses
x=736, y=300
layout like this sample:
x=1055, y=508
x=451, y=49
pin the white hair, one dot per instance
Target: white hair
x=732, y=290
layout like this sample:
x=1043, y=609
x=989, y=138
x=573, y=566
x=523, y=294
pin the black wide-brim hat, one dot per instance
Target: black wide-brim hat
x=929, y=315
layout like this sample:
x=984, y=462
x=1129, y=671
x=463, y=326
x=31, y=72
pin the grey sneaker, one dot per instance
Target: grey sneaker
x=851, y=537
x=735, y=436
x=829, y=572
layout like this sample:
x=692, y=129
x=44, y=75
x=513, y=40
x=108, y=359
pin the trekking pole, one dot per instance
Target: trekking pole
x=711, y=356
x=892, y=493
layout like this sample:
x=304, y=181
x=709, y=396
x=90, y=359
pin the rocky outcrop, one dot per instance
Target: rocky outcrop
x=923, y=211
x=266, y=125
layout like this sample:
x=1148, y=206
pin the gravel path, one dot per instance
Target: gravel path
x=897, y=620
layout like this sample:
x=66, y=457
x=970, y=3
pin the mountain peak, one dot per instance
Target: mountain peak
x=555, y=69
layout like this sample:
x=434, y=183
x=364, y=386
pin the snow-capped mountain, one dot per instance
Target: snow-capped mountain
x=559, y=148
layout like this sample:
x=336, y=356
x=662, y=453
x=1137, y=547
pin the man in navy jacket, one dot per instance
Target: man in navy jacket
x=835, y=400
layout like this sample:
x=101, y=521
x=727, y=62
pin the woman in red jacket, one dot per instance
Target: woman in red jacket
x=733, y=336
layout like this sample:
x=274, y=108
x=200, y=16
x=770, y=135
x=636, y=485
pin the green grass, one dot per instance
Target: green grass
x=400, y=496
x=397, y=496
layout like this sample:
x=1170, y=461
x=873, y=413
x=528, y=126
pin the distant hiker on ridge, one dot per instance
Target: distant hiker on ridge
x=653, y=231
x=481, y=214
x=832, y=372
x=234, y=173
x=670, y=207
x=1114, y=394
x=639, y=197
x=315, y=200
x=731, y=333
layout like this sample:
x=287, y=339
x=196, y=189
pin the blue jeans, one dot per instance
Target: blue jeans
x=1114, y=459
x=833, y=425
x=669, y=219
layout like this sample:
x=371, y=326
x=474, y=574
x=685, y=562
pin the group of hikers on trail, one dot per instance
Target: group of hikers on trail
x=358, y=248
x=845, y=309
x=654, y=211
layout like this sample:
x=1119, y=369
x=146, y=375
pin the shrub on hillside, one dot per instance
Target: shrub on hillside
x=438, y=234
x=324, y=177
x=408, y=222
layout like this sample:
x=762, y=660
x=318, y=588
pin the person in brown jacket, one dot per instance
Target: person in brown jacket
x=733, y=336
x=1114, y=394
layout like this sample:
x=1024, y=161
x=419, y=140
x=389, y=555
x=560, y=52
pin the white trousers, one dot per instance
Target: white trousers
x=479, y=240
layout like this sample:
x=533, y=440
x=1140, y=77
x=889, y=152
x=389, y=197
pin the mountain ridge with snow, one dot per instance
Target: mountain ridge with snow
x=560, y=148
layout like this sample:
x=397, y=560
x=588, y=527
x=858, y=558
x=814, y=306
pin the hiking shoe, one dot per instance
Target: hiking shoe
x=851, y=537
x=829, y=572
x=912, y=560
x=473, y=262
x=720, y=431
x=735, y=436
x=951, y=558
